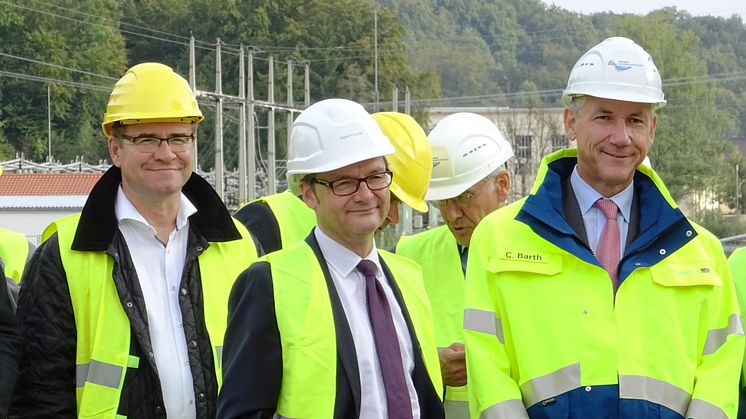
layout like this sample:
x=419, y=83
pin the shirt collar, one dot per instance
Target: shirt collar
x=587, y=196
x=341, y=258
x=124, y=210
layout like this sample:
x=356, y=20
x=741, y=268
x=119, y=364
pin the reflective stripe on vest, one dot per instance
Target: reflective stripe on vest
x=14, y=249
x=509, y=409
x=304, y=317
x=660, y=392
x=550, y=385
x=437, y=253
x=293, y=216
x=103, y=328
x=717, y=337
x=702, y=409
x=483, y=321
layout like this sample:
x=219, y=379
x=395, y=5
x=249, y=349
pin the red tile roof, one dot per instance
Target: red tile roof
x=47, y=183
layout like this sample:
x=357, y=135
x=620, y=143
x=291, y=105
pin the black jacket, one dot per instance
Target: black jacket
x=46, y=387
x=252, y=353
x=9, y=347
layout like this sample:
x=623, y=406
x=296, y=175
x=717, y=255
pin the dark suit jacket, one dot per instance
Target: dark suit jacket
x=252, y=354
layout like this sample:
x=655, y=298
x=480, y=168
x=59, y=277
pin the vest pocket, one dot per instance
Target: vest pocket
x=524, y=260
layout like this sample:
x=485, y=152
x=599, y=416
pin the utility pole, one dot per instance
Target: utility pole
x=738, y=192
x=290, y=105
x=251, y=130
x=49, y=124
x=272, y=175
x=241, y=128
x=193, y=85
x=375, y=52
x=219, y=188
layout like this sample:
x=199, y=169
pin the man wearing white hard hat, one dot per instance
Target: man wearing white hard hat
x=595, y=297
x=469, y=181
x=331, y=327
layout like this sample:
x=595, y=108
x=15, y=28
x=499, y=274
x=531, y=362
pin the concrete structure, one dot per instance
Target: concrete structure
x=30, y=201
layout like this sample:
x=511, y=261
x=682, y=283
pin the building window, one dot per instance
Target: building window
x=523, y=146
x=559, y=141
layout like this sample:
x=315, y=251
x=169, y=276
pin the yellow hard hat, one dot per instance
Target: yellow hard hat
x=412, y=161
x=151, y=92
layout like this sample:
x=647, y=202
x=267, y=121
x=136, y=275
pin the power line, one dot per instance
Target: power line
x=41, y=79
x=31, y=60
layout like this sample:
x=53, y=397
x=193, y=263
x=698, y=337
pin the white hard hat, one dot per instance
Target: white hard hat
x=331, y=134
x=618, y=69
x=466, y=148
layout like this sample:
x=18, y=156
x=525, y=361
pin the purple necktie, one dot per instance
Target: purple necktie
x=607, y=251
x=387, y=344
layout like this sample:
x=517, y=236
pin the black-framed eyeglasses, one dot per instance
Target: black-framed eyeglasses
x=462, y=200
x=348, y=186
x=149, y=144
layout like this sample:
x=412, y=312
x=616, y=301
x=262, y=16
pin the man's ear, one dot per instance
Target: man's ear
x=502, y=186
x=308, y=194
x=114, y=150
x=570, y=119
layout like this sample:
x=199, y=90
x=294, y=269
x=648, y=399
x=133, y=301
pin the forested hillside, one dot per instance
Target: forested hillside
x=449, y=53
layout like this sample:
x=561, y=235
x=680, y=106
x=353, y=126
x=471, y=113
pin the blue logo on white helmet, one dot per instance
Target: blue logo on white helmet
x=622, y=65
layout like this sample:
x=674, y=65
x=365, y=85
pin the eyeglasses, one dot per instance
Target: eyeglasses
x=348, y=186
x=149, y=144
x=462, y=200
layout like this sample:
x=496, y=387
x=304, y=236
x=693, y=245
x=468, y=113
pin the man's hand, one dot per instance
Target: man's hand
x=453, y=365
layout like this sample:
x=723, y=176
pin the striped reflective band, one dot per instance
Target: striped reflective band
x=483, y=321
x=650, y=389
x=550, y=385
x=509, y=409
x=717, y=337
x=97, y=372
x=700, y=409
x=456, y=409
x=219, y=352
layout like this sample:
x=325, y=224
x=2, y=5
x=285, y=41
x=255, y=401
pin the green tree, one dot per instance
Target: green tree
x=50, y=42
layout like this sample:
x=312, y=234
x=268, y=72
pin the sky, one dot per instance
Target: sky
x=724, y=8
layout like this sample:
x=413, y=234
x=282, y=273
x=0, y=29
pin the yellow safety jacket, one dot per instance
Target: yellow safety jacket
x=436, y=251
x=14, y=249
x=737, y=263
x=103, y=329
x=307, y=334
x=546, y=337
x=293, y=216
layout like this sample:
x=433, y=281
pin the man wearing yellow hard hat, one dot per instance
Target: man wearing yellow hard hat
x=469, y=181
x=124, y=305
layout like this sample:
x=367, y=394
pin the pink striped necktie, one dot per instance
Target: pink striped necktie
x=387, y=345
x=607, y=251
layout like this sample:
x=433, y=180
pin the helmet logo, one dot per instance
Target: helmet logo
x=623, y=65
x=474, y=149
x=350, y=135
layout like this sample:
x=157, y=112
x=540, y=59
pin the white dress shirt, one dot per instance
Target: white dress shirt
x=159, y=268
x=350, y=284
x=593, y=218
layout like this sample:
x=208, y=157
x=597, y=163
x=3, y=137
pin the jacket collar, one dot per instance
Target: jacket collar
x=660, y=220
x=98, y=222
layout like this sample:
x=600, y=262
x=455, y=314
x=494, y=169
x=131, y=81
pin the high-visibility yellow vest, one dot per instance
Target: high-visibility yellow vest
x=436, y=250
x=13, y=251
x=737, y=263
x=307, y=334
x=103, y=329
x=293, y=216
x=544, y=330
